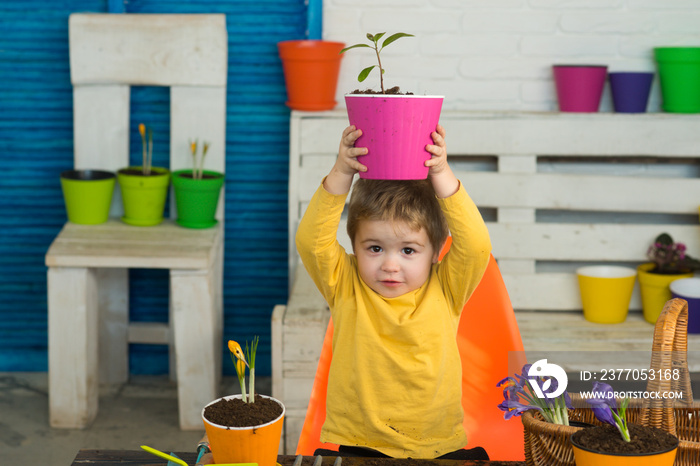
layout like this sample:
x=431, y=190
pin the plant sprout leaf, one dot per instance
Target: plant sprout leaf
x=364, y=73
x=394, y=37
x=355, y=46
x=375, y=38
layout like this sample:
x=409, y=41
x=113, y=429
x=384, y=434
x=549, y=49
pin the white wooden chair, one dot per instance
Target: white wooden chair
x=88, y=265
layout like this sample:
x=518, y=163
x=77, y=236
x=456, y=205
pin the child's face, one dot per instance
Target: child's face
x=392, y=258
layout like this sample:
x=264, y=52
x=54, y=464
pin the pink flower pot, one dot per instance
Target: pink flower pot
x=395, y=131
x=579, y=87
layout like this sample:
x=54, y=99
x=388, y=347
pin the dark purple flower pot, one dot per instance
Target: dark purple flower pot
x=630, y=90
x=689, y=289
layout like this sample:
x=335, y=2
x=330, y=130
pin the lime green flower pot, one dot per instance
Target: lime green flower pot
x=88, y=195
x=196, y=200
x=143, y=195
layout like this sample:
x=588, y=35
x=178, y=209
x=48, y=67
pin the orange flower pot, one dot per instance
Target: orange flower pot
x=311, y=70
x=586, y=457
x=256, y=444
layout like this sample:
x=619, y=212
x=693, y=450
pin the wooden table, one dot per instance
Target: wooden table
x=142, y=458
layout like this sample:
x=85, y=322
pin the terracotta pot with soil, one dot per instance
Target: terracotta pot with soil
x=603, y=445
x=242, y=432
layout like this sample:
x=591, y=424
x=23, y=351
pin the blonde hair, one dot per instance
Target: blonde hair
x=410, y=201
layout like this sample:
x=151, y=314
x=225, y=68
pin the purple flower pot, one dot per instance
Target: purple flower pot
x=689, y=289
x=630, y=90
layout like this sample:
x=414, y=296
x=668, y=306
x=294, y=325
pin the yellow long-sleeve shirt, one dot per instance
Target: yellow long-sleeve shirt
x=395, y=377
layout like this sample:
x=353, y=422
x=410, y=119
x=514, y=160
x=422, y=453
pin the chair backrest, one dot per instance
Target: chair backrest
x=111, y=52
x=487, y=333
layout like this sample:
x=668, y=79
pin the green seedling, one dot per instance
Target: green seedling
x=374, y=40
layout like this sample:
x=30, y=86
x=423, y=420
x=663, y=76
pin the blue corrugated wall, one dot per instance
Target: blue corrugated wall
x=36, y=145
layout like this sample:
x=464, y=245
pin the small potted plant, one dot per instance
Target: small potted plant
x=87, y=195
x=525, y=392
x=669, y=262
x=548, y=416
x=618, y=442
x=197, y=191
x=244, y=428
x=144, y=188
x=395, y=127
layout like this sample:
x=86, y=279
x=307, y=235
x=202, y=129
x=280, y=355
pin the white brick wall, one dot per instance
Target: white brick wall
x=497, y=54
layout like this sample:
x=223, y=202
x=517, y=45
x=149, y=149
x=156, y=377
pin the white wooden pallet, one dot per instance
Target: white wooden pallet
x=557, y=189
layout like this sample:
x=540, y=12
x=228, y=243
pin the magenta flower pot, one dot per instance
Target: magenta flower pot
x=395, y=131
x=579, y=87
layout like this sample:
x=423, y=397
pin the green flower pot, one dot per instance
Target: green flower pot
x=679, y=74
x=88, y=195
x=143, y=195
x=196, y=200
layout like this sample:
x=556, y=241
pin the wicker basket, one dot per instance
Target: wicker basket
x=547, y=444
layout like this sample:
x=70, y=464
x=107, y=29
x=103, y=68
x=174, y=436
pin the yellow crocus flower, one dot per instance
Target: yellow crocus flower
x=237, y=351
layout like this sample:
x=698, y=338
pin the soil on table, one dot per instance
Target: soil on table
x=607, y=439
x=236, y=413
x=393, y=91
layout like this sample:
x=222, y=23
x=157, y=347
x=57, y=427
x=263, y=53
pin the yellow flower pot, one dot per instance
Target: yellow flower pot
x=655, y=290
x=605, y=292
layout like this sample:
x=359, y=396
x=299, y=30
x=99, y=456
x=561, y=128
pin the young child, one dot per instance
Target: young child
x=394, y=386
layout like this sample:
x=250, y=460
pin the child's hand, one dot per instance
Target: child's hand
x=347, y=153
x=438, y=162
x=346, y=165
x=444, y=181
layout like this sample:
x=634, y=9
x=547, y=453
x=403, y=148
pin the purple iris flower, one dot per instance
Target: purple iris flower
x=603, y=399
x=515, y=408
x=519, y=396
x=605, y=408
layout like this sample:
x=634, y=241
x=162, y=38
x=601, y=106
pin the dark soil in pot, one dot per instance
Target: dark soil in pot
x=607, y=439
x=669, y=272
x=205, y=176
x=393, y=91
x=236, y=413
x=138, y=172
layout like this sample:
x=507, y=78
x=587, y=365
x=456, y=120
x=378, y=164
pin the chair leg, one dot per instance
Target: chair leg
x=73, y=346
x=197, y=347
x=113, y=296
x=218, y=310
